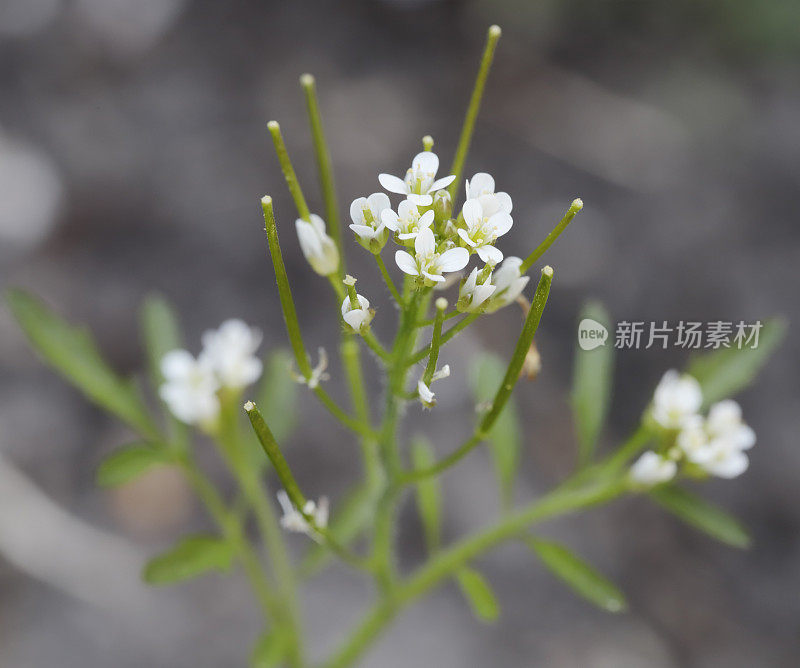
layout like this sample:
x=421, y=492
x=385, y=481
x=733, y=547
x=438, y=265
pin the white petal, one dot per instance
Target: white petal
x=308, y=238
x=453, y=259
x=357, y=210
x=425, y=393
x=489, y=254
x=364, y=231
x=378, y=202
x=436, y=278
x=420, y=200
x=501, y=223
x=505, y=201
x=426, y=161
x=392, y=183
x=426, y=219
x=473, y=213
x=480, y=184
x=425, y=244
x=438, y=184
x=355, y=318
x=177, y=364
x=465, y=236
x=406, y=263
x=390, y=219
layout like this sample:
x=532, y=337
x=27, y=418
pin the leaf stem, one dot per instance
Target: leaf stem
x=506, y=387
x=462, y=324
x=388, y=279
x=576, y=206
x=288, y=171
x=492, y=36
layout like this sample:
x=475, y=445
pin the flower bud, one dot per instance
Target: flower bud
x=442, y=206
x=319, y=249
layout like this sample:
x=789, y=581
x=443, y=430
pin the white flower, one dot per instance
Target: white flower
x=294, y=520
x=509, y=283
x=367, y=216
x=407, y=222
x=190, y=387
x=652, y=469
x=429, y=264
x=426, y=396
x=319, y=249
x=725, y=422
x=420, y=182
x=472, y=295
x=481, y=187
x=677, y=397
x=230, y=351
x=317, y=373
x=484, y=225
x=357, y=317
x=716, y=444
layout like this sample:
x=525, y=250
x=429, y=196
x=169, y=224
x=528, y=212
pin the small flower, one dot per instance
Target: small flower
x=428, y=263
x=357, y=317
x=190, y=388
x=420, y=182
x=426, y=396
x=368, y=225
x=294, y=520
x=481, y=188
x=651, y=469
x=230, y=351
x=317, y=373
x=725, y=422
x=407, y=222
x=318, y=248
x=484, y=226
x=676, y=398
x=509, y=283
x=472, y=295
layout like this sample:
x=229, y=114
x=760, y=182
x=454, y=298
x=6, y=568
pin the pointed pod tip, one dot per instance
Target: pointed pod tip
x=266, y=200
x=274, y=126
x=547, y=270
x=495, y=31
x=249, y=406
x=306, y=80
x=577, y=204
x=441, y=303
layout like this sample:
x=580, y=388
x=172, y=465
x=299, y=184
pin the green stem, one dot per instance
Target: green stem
x=284, y=473
x=462, y=324
x=464, y=140
x=388, y=279
x=576, y=206
x=433, y=358
x=288, y=171
x=323, y=156
x=448, y=561
x=506, y=387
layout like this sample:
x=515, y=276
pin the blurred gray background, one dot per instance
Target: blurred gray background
x=133, y=152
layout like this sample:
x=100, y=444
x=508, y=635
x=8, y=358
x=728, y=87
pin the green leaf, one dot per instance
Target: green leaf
x=429, y=501
x=726, y=371
x=269, y=650
x=160, y=331
x=505, y=438
x=479, y=594
x=578, y=575
x=190, y=557
x=277, y=395
x=129, y=462
x=74, y=354
x=701, y=515
x=591, y=385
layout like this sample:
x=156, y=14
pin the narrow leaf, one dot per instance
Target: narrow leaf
x=505, y=439
x=269, y=650
x=726, y=371
x=160, y=331
x=74, y=354
x=701, y=515
x=128, y=463
x=190, y=557
x=479, y=594
x=578, y=575
x=277, y=395
x=429, y=502
x=591, y=385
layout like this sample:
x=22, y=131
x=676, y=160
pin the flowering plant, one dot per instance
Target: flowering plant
x=435, y=239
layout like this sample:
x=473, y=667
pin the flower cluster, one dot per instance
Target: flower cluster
x=191, y=385
x=295, y=521
x=434, y=243
x=704, y=445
